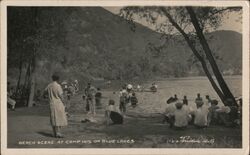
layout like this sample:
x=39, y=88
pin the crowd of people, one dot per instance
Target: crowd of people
x=179, y=114
x=70, y=89
x=113, y=113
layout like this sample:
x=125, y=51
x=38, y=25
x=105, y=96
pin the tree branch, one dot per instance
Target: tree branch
x=182, y=32
x=219, y=11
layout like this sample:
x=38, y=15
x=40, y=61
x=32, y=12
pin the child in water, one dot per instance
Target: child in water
x=133, y=100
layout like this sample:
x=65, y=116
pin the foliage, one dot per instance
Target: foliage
x=89, y=43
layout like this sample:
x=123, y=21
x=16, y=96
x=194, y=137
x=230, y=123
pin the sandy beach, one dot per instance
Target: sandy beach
x=143, y=127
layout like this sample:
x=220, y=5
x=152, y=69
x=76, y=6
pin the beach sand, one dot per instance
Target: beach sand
x=142, y=128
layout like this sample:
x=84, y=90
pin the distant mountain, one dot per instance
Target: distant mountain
x=91, y=42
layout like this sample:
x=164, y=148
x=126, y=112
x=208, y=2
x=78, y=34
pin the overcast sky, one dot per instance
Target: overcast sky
x=231, y=23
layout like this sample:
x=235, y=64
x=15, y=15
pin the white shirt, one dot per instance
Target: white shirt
x=113, y=108
x=55, y=91
x=170, y=109
x=181, y=117
x=201, y=116
x=129, y=86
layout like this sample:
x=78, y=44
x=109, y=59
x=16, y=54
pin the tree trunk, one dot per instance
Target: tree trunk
x=227, y=93
x=210, y=78
x=196, y=53
x=20, y=73
x=32, y=90
x=25, y=85
x=32, y=79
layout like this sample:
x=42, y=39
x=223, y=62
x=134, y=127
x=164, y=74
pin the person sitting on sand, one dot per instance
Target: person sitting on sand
x=10, y=101
x=113, y=113
x=133, y=100
x=169, y=112
x=181, y=117
x=200, y=115
x=227, y=115
x=212, y=115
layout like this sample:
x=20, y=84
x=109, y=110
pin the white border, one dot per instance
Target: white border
x=245, y=82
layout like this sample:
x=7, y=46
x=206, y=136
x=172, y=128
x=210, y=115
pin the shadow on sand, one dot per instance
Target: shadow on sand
x=45, y=134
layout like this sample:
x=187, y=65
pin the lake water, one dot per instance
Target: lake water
x=156, y=102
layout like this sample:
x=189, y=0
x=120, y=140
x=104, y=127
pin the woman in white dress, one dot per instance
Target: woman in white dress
x=58, y=117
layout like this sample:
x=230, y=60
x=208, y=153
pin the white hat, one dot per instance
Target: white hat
x=129, y=86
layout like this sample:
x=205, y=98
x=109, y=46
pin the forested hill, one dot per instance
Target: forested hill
x=88, y=43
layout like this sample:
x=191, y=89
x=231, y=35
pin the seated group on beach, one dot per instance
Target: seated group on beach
x=179, y=115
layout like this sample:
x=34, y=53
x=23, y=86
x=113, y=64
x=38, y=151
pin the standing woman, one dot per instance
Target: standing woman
x=58, y=117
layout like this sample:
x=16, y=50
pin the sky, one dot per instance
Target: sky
x=231, y=23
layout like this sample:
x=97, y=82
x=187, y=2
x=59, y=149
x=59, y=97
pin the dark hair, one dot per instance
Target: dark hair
x=198, y=94
x=55, y=77
x=133, y=94
x=111, y=102
x=199, y=103
x=98, y=89
x=178, y=105
x=240, y=101
x=185, y=96
x=214, y=102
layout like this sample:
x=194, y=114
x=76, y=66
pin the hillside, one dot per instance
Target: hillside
x=87, y=43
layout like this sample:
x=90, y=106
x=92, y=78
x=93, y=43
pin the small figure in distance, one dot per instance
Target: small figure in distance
x=154, y=87
x=172, y=99
x=134, y=100
x=185, y=101
x=208, y=102
x=98, y=97
x=198, y=98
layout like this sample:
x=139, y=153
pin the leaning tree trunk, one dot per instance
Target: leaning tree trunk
x=226, y=91
x=211, y=80
x=196, y=53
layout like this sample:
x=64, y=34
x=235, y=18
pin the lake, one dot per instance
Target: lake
x=156, y=102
